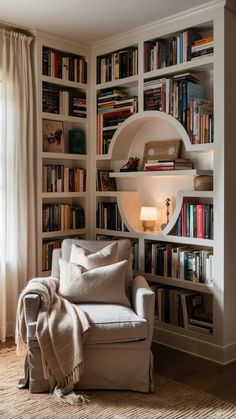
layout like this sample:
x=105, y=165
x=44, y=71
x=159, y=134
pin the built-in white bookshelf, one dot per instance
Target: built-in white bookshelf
x=136, y=189
x=63, y=176
x=127, y=136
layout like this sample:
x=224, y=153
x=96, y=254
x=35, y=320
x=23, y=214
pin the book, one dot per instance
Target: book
x=77, y=142
x=53, y=136
x=104, y=181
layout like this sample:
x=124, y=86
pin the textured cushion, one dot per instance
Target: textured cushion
x=83, y=257
x=113, y=323
x=105, y=284
x=124, y=251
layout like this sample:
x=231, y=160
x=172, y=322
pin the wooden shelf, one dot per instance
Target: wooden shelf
x=63, y=233
x=65, y=83
x=63, y=118
x=63, y=194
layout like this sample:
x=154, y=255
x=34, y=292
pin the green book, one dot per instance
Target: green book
x=77, y=142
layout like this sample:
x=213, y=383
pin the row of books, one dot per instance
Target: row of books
x=108, y=217
x=179, y=262
x=60, y=217
x=64, y=66
x=63, y=101
x=114, y=106
x=47, y=249
x=165, y=52
x=117, y=65
x=58, y=178
x=134, y=247
x=183, y=308
x=182, y=97
x=195, y=220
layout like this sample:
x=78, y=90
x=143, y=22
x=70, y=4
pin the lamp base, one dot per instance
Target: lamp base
x=148, y=225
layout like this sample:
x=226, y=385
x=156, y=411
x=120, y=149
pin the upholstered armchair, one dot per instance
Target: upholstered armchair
x=117, y=351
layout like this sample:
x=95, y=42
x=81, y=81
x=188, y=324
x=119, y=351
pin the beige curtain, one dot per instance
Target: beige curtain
x=17, y=188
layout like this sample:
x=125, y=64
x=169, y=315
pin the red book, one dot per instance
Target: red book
x=156, y=168
x=200, y=221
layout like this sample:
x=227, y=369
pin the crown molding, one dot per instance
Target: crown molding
x=122, y=37
x=231, y=5
x=54, y=38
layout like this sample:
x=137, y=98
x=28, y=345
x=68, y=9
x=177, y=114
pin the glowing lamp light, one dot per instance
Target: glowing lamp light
x=148, y=216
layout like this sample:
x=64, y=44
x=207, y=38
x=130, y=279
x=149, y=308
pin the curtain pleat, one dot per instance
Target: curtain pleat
x=17, y=174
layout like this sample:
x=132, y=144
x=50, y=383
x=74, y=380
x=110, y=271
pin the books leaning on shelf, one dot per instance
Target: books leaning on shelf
x=61, y=217
x=182, y=96
x=117, y=65
x=179, y=262
x=178, y=164
x=64, y=66
x=182, y=308
x=63, y=101
x=109, y=217
x=47, y=249
x=58, y=178
x=113, y=107
x=195, y=220
x=204, y=46
x=171, y=50
x=104, y=181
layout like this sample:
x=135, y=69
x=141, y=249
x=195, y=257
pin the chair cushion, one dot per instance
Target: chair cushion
x=113, y=323
x=105, y=256
x=105, y=284
x=124, y=251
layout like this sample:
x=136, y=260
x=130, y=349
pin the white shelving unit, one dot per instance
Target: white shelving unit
x=141, y=188
x=216, y=73
x=53, y=158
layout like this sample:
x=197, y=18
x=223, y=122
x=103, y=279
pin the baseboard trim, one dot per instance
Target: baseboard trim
x=212, y=352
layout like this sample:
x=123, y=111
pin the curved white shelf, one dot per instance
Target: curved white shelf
x=125, y=133
x=193, y=172
x=129, y=207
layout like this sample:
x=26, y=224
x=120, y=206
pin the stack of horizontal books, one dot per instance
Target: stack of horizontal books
x=204, y=46
x=165, y=164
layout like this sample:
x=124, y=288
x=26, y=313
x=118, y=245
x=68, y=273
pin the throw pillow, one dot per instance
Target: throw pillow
x=83, y=257
x=105, y=284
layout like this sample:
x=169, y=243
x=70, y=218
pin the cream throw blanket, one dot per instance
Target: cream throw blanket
x=61, y=331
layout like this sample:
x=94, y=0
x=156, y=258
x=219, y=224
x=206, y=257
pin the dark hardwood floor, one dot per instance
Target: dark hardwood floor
x=214, y=379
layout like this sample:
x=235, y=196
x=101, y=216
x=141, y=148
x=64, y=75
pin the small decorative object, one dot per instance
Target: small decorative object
x=203, y=183
x=53, y=137
x=159, y=150
x=131, y=165
x=167, y=213
x=148, y=216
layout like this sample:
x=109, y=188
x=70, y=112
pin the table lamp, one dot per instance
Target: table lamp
x=148, y=216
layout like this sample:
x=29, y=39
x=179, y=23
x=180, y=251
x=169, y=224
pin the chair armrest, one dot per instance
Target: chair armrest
x=31, y=304
x=143, y=299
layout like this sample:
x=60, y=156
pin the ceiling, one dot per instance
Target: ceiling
x=89, y=20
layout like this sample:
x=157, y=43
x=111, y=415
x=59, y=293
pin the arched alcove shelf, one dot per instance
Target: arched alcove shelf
x=129, y=207
x=149, y=121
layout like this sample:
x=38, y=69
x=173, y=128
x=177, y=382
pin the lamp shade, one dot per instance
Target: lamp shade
x=148, y=213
